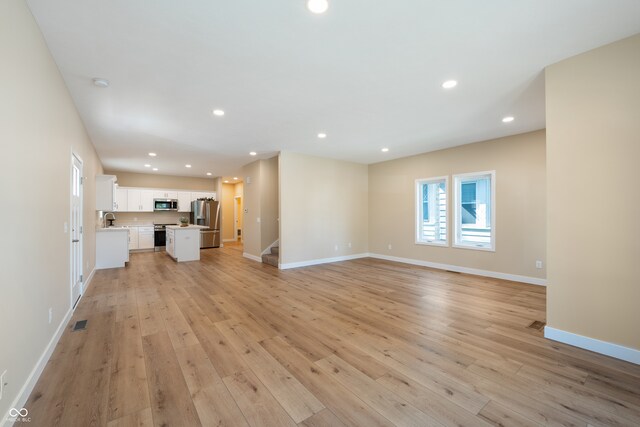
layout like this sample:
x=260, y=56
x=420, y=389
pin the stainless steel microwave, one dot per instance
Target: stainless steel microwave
x=165, y=205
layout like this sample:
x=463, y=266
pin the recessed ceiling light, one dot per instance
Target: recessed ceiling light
x=155, y=169
x=449, y=84
x=253, y=153
x=209, y=174
x=235, y=177
x=384, y=150
x=147, y=165
x=152, y=154
x=187, y=166
x=322, y=135
x=507, y=119
x=318, y=6
x=101, y=82
x=218, y=113
x=226, y=181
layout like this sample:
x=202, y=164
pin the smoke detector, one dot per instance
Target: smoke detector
x=101, y=82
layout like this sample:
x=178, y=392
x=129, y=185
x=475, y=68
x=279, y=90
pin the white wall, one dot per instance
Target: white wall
x=269, y=203
x=251, y=231
x=593, y=149
x=323, y=204
x=39, y=128
x=260, y=221
x=519, y=162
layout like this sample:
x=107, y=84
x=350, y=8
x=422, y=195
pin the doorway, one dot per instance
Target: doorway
x=237, y=218
x=76, y=229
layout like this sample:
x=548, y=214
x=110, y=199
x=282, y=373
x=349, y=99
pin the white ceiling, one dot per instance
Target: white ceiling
x=368, y=73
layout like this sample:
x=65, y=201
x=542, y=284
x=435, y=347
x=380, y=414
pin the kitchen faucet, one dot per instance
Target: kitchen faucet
x=105, y=218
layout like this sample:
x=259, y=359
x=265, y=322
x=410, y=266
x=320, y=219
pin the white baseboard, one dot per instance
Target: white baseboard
x=467, y=270
x=608, y=349
x=321, y=261
x=87, y=282
x=252, y=257
x=33, y=377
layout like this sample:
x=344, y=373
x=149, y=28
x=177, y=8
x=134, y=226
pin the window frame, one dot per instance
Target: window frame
x=419, y=210
x=457, y=207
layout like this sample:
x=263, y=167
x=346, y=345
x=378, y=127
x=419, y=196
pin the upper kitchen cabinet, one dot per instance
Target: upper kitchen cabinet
x=203, y=195
x=184, y=201
x=139, y=200
x=164, y=194
x=122, y=201
x=106, y=193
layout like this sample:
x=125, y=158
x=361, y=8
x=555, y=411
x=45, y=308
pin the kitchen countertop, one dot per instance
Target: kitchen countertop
x=112, y=229
x=189, y=227
x=122, y=227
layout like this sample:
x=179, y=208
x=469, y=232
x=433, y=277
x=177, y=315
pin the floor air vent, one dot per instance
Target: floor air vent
x=80, y=325
x=537, y=325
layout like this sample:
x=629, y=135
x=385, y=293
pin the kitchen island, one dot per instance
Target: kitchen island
x=112, y=247
x=183, y=243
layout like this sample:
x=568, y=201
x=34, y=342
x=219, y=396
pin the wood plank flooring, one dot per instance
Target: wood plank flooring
x=228, y=341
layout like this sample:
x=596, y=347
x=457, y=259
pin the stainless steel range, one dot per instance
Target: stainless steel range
x=160, y=236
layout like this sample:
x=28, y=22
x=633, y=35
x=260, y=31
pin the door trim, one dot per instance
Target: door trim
x=73, y=304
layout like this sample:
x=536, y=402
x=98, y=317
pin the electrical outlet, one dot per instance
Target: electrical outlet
x=2, y=383
x=258, y=219
x=349, y=244
x=335, y=248
x=66, y=227
x=50, y=315
x=538, y=264
x=389, y=246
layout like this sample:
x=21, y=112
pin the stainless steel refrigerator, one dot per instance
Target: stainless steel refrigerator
x=207, y=213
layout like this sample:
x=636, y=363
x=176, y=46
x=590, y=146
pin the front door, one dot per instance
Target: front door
x=76, y=229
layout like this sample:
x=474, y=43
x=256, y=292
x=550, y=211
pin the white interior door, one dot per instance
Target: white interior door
x=76, y=229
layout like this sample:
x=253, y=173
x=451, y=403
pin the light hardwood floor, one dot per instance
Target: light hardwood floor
x=228, y=341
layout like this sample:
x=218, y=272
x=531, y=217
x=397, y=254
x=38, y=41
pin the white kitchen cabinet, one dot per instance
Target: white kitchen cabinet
x=184, y=201
x=171, y=242
x=133, y=200
x=146, y=200
x=145, y=238
x=128, y=199
x=183, y=243
x=133, y=238
x=196, y=196
x=122, y=201
x=106, y=193
x=139, y=200
x=111, y=247
x=203, y=195
x=165, y=194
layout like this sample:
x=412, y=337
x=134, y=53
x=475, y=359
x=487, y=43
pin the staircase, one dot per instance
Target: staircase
x=272, y=258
